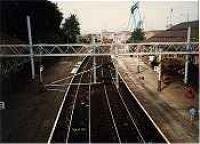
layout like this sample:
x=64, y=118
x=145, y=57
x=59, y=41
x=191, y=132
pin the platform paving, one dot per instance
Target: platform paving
x=168, y=108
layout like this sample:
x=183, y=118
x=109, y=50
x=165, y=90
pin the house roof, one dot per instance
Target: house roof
x=184, y=26
x=177, y=33
x=166, y=36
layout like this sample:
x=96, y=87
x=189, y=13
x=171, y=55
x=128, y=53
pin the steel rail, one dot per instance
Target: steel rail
x=61, y=107
x=110, y=110
x=138, y=102
x=141, y=106
x=72, y=112
x=73, y=107
x=59, y=112
x=131, y=117
x=113, y=119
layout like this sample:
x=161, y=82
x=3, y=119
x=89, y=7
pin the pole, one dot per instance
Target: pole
x=187, y=56
x=159, y=72
x=101, y=37
x=41, y=79
x=138, y=68
x=31, y=47
x=94, y=60
x=41, y=68
x=116, y=66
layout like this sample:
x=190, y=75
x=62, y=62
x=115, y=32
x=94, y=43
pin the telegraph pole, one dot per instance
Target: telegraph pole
x=31, y=46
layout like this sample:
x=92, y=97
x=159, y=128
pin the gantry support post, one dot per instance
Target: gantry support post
x=138, y=67
x=41, y=68
x=187, y=56
x=31, y=46
x=94, y=60
x=116, y=66
x=159, y=70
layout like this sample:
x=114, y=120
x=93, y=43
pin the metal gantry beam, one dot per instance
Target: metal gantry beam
x=140, y=49
x=100, y=54
x=113, y=49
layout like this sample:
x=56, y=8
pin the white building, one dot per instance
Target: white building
x=121, y=36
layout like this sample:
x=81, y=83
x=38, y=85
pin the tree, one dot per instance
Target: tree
x=45, y=24
x=71, y=29
x=45, y=20
x=137, y=35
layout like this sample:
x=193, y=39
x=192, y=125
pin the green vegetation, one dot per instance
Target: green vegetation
x=137, y=35
x=71, y=29
x=45, y=24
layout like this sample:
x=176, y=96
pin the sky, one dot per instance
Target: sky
x=97, y=16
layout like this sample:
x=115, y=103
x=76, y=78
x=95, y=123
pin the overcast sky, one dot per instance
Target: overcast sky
x=95, y=16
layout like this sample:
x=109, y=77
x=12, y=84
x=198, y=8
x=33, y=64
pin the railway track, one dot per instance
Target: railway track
x=102, y=123
x=101, y=113
x=126, y=126
x=63, y=124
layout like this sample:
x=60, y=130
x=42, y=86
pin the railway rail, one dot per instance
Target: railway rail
x=101, y=113
x=62, y=126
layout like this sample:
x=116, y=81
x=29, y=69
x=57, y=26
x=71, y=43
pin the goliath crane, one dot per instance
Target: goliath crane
x=135, y=16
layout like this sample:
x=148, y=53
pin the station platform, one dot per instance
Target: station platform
x=169, y=108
